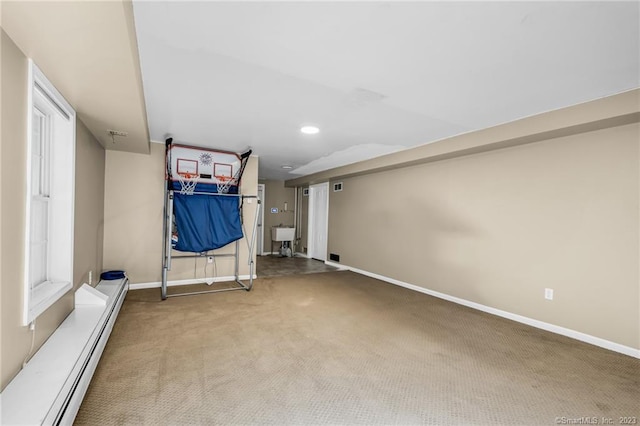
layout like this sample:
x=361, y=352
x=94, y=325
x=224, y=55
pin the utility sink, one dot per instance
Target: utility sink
x=282, y=234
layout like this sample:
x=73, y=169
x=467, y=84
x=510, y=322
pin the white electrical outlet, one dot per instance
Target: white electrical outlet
x=548, y=293
x=210, y=259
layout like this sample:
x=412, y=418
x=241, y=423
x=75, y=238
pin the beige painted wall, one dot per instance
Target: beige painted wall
x=89, y=206
x=15, y=338
x=497, y=228
x=275, y=196
x=133, y=220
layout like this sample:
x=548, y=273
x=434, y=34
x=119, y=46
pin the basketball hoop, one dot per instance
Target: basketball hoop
x=223, y=184
x=188, y=183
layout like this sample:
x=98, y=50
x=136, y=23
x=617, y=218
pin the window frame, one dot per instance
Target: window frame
x=59, y=167
x=40, y=167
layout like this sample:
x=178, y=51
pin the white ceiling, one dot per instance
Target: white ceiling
x=374, y=76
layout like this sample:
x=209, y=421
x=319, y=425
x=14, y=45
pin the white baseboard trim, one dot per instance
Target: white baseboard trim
x=300, y=254
x=348, y=268
x=583, y=337
x=158, y=284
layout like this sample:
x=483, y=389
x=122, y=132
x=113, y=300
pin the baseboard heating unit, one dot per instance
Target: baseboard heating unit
x=50, y=388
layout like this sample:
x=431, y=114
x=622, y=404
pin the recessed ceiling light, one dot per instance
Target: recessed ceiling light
x=287, y=167
x=309, y=130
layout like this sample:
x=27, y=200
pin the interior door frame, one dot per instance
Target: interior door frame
x=311, y=249
x=261, y=186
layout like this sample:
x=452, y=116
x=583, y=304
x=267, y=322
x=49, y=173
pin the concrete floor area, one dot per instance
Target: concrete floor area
x=273, y=266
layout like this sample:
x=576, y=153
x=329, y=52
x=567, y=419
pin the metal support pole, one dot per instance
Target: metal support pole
x=164, y=283
x=237, y=261
x=252, y=245
x=166, y=235
x=169, y=222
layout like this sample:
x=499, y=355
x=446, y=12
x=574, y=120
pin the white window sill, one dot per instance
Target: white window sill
x=45, y=295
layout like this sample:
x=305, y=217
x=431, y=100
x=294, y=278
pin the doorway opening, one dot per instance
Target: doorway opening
x=318, y=221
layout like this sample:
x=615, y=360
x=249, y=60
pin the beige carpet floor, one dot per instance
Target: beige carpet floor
x=341, y=348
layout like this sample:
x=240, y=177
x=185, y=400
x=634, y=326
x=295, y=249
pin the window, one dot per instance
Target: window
x=50, y=173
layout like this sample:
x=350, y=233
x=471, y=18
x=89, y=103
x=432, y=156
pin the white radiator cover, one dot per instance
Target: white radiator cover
x=50, y=389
